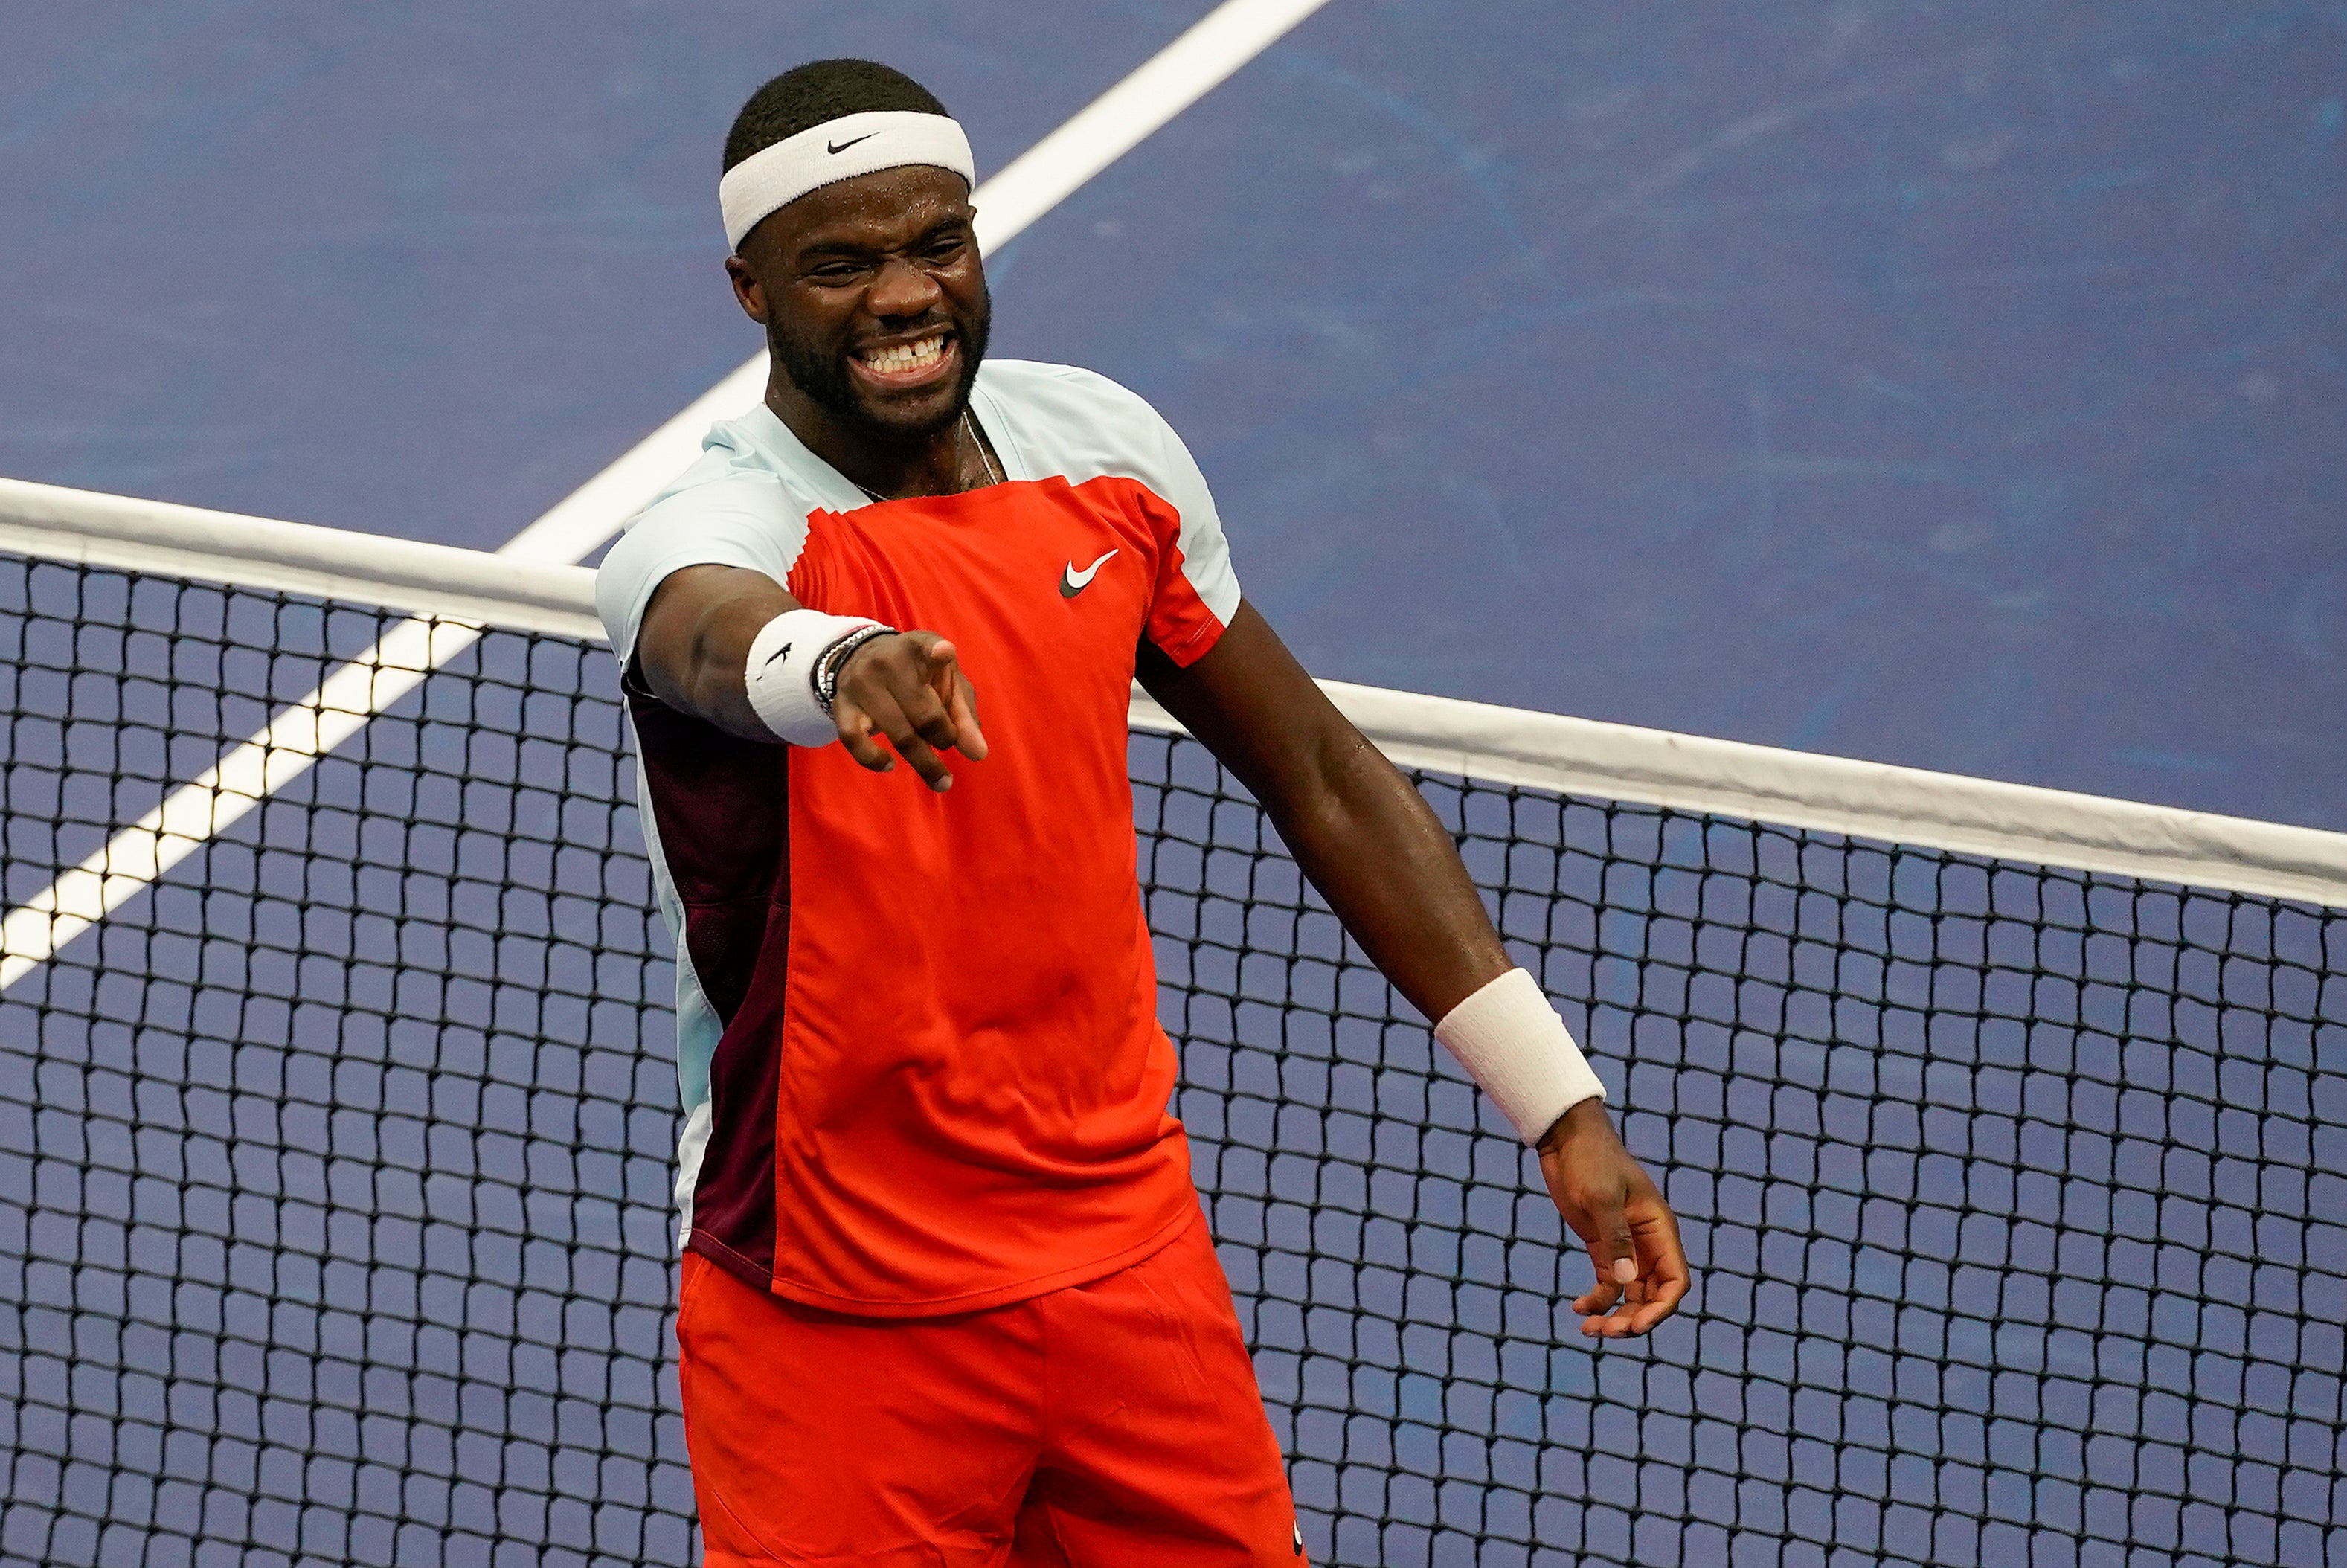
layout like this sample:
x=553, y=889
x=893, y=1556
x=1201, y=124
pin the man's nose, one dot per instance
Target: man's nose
x=902, y=289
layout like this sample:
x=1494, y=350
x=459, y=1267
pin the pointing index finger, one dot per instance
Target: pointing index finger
x=942, y=670
x=964, y=709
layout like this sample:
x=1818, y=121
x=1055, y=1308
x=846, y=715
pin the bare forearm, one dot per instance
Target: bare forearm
x=1356, y=826
x=1376, y=851
x=696, y=642
x=904, y=689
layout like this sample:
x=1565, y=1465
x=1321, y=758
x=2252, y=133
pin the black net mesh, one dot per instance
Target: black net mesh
x=334, y=1223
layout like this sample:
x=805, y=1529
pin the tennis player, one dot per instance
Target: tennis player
x=947, y=1294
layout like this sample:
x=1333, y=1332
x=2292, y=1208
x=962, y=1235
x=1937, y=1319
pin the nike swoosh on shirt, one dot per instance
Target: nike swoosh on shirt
x=1074, y=582
x=839, y=146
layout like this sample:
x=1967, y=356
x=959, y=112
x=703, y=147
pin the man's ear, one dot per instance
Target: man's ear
x=748, y=292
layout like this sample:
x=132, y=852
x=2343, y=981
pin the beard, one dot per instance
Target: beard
x=822, y=374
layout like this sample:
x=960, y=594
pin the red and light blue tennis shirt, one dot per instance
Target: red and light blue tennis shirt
x=918, y=1041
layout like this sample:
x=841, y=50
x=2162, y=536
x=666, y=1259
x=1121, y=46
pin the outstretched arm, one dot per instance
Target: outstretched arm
x=1377, y=854
x=907, y=688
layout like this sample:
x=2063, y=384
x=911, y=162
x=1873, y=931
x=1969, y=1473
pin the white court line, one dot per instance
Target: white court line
x=193, y=814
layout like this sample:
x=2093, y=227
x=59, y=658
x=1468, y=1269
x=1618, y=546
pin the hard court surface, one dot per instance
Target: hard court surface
x=1959, y=386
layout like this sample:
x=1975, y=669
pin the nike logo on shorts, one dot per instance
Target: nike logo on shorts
x=840, y=147
x=1074, y=582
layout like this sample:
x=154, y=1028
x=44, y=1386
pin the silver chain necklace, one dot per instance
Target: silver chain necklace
x=994, y=471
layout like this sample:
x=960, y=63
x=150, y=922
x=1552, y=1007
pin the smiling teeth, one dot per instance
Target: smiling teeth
x=908, y=356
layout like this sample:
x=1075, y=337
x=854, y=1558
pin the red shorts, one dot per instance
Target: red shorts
x=1115, y=1423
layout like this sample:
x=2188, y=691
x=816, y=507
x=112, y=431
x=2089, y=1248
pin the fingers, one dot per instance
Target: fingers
x=1613, y=1253
x=957, y=700
x=1661, y=1262
x=882, y=715
x=963, y=711
x=909, y=691
x=939, y=662
x=1643, y=1269
x=1630, y=1234
x=926, y=704
x=856, y=734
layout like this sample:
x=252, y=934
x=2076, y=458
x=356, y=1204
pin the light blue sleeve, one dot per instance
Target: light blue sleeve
x=744, y=520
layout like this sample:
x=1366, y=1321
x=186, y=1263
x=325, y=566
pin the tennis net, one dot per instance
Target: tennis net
x=2007, y=1128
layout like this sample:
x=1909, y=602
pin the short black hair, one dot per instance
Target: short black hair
x=807, y=96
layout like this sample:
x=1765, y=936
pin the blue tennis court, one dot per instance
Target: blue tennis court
x=1954, y=387
x=1960, y=388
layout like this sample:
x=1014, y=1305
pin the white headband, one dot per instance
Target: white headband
x=834, y=151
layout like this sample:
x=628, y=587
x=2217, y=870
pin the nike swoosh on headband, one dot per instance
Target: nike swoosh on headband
x=840, y=149
x=1074, y=582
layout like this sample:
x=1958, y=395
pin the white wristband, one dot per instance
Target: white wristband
x=780, y=675
x=1510, y=1041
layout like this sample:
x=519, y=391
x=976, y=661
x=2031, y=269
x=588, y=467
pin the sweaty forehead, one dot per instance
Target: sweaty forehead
x=892, y=207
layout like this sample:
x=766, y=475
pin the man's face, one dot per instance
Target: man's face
x=873, y=298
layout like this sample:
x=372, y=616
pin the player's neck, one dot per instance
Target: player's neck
x=942, y=463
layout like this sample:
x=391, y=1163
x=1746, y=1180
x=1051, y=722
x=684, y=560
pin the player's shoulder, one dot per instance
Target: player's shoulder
x=743, y=502
x=751, y=460
x=1040, y=384
x=1075, y=421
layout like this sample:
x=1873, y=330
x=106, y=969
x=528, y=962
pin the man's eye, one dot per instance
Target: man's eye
x=945, y=250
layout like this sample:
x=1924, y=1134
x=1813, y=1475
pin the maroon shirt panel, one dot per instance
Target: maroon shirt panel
x=718, y=803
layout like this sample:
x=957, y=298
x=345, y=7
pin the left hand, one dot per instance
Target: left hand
x=1614, y=1206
